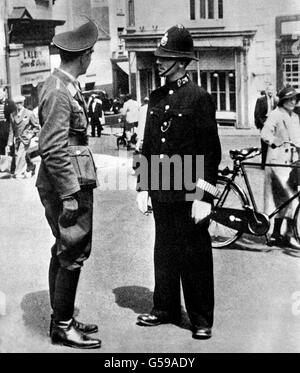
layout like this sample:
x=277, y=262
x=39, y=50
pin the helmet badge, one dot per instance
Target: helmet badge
x=164, y=40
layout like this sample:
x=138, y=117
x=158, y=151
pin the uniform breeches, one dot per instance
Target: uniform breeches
x=72, y=247
x=182, y=252
x=73, y=244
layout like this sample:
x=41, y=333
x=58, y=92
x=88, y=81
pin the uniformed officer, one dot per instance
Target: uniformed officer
x=180, y=123
x=66, y=180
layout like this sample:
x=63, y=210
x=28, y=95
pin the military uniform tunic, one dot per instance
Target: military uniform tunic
x=64, y=152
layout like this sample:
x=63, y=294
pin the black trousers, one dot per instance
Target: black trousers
x=182, y=252
x=4, y=132
x=264, y=150
x=71, y=249
x=96, y=125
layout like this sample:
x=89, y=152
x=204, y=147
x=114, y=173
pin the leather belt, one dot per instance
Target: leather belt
x=76, y=140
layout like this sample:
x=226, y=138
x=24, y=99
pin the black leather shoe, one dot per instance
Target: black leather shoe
x=72, y=337
x=81, y=327
x=201, y=333
x=276, y=240
x=146, y=319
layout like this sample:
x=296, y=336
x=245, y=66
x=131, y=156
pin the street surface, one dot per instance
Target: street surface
x=256, y=287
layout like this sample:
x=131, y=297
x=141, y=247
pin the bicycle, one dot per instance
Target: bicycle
x=235, y=211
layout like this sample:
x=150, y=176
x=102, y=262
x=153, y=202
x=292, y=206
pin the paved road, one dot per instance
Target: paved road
x=256, y=287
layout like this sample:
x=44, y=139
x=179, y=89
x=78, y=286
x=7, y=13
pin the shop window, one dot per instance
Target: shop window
x=192, y=9
x=221, y=86
x=131, y=16
x=291, y=72
x=208, y=9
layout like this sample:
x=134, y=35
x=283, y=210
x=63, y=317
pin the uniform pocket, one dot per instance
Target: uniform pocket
x=84, y=166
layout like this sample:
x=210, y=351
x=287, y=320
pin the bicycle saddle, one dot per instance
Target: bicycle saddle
x=245, y=153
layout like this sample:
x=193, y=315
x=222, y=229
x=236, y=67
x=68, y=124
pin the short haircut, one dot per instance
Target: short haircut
x=66, y=56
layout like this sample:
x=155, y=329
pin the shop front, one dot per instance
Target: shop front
x=28, y=57
x=222, y=70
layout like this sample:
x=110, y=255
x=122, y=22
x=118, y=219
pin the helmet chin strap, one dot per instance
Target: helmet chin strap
x=169, y=69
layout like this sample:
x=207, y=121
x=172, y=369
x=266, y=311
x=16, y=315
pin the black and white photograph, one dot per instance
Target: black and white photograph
x=150, y=179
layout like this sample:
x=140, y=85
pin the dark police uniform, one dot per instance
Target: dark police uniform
x=180, y=122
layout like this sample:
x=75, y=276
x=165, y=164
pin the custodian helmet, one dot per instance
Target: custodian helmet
x=177, y=42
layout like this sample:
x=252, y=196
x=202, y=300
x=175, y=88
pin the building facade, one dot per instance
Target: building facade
x=109, y=67
x=27, y=28
x=243, y=46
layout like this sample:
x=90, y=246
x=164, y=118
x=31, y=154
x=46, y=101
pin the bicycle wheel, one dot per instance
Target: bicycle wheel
x=296, y=223
x=221, y=235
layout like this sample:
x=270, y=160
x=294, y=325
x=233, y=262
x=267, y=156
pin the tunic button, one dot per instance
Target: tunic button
x=171, y=91
x=165, y=123
x=167, y=107
x=151, y=112
x=77, y=152
x=163, y=140
x=180, y=115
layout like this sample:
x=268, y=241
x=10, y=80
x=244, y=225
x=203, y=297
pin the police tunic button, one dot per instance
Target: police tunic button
x=151, y=112
x=77, y=152
x=167, y=107
x=180, y=115
x=163, y=140
x=165, y=123
x=171, y=91
x=161, y=156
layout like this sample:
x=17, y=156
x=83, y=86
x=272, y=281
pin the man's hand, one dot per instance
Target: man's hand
x=69, y=213
x=200, y=210
x=142, y=201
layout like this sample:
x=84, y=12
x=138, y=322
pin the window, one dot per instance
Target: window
x=131, y=17
x=206, y=9
x=291, y=72
x=220, y=8
x=221, y=86
x=210, y=9
x=202, y=9
x=192, y=9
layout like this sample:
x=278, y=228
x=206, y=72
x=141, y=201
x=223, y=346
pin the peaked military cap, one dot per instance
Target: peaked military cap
x=79, y=39
x=177, y=42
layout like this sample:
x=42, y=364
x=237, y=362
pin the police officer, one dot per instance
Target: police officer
x=66, y=180
x=180, y=123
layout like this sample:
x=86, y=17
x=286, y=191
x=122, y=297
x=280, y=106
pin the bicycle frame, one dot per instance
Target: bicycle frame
x=244, y=174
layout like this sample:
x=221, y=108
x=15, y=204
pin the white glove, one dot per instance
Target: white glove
x=142, y=201
x=200, y=210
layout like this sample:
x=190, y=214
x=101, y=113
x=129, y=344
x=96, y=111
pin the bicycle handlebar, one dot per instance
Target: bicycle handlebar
x=274, y=146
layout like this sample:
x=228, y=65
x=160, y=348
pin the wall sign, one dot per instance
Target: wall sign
x=34, y=59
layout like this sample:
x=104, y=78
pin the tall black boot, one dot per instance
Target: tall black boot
x=65, y=293
x=53, y=269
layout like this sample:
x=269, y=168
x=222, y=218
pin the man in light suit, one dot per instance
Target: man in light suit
x=264, y=106
x=23, y=127
x=66, y=180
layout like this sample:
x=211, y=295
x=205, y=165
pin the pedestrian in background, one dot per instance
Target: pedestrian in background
x=95, y=113
x=181, y=122
x=264, y=105
x=6, y=108
x=24, y=126
x=130, y=111
x=66, y=180
x=141, y=123
x=281, y=128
